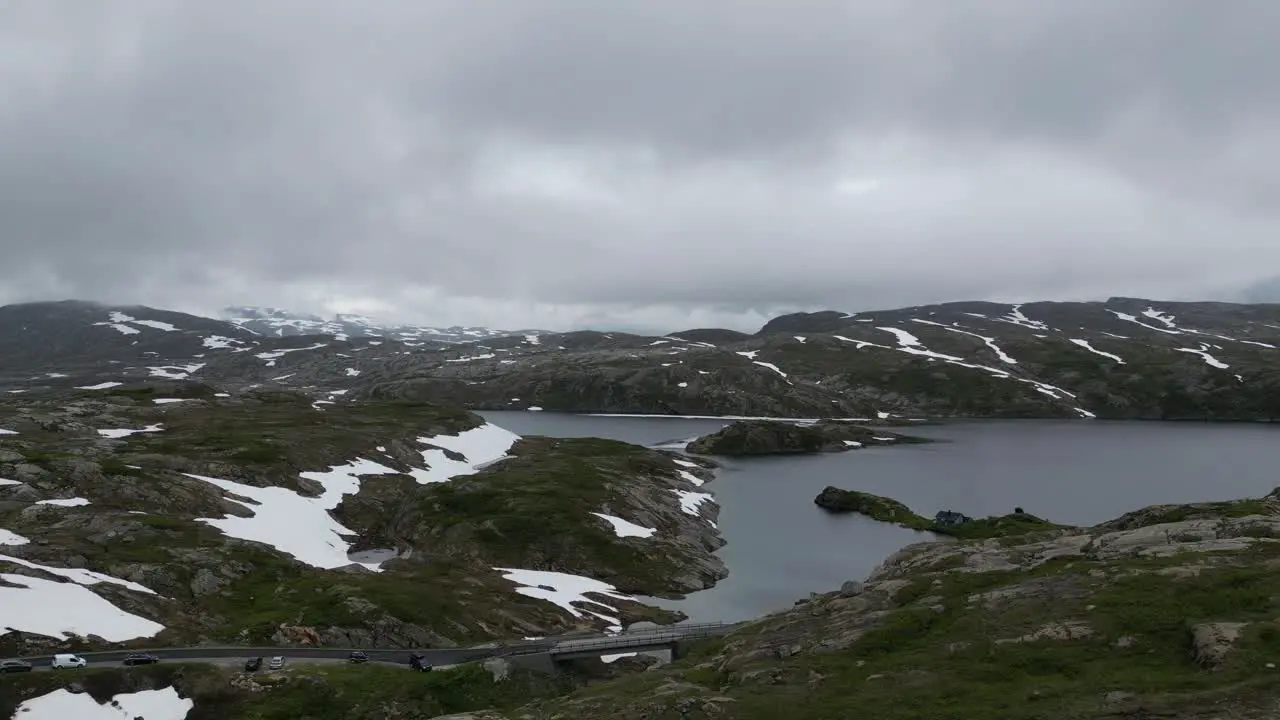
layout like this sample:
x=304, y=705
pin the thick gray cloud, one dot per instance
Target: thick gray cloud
x=558, y=163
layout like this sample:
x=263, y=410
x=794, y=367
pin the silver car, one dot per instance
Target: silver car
x=276, y=663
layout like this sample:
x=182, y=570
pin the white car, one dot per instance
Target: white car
x=276, y=663
x=62, y=662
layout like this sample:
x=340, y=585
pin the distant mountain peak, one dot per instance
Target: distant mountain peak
x=277, y=322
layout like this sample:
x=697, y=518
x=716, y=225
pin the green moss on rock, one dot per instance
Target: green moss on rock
x=770, y=437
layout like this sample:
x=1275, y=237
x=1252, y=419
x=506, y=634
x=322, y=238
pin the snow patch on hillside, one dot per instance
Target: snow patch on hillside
x=220, y=342
x=59, y=609
x=175, y=372
x=79, y=576
x=691, y=502
x=297, y=525
x=990, y=342
x=1164, y=319
x=1016, y=317
x=64, y=502
x=1133, y=319
x=164, y=704
x=567, y=592
x=126, y=432
x=693, y=479
x=1203, y=352
x=1085, y=344
x=479, y=447
x=624, y=529
x=770, y=366
x=100, y=386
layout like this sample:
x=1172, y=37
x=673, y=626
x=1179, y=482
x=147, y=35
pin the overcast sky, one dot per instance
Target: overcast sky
x=638, y=163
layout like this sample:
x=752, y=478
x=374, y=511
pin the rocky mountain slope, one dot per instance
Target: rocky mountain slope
x=174, y=513
x=1167, y=612
x=274, y=322
x=1124, y=358
x=1119, y=359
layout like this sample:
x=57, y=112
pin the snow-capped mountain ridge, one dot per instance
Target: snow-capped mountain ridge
x=277, y=322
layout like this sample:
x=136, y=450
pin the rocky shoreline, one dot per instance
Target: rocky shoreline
x=1165, y=612
x=774, y=437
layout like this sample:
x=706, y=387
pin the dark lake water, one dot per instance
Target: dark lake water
x=781, y=546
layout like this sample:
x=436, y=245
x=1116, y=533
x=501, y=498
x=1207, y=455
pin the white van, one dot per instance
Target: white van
x=61, y=662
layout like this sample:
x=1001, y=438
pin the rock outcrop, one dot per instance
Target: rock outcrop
x=1122, y=620
x=876, y=507
x=765, y=437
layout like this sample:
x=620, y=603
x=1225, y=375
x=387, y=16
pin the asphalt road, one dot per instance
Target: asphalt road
x=237, y=655
x=436, y=657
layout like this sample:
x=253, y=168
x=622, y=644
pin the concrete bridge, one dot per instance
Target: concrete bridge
x=548, y=655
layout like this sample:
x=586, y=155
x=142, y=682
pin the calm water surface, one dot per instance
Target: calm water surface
x=781, y=546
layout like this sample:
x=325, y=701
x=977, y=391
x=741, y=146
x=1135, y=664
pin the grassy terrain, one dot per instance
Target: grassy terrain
x=756, y=437
x=366, y=692
x=372, y=692
x=907, y=669
x=1071, y=639
x=534, y=511
x=878, y=507
x=530, y=511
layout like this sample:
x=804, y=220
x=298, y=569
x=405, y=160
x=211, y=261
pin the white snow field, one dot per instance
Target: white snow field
x=1085, y=344
x=64, y=502
x=100, y=386
x=174, y=372
x=624, y=528
x=126, y=432
x=697, y=481
x=690, y=502
x=990, y=342
x=303, y=526
x=297, y=525
x=55, y=609
x=1203, y=352
x=61, y=704
x=481, y=446
x=910, y=344
x=1133, y=319
x=565, y=591
x=79, y=576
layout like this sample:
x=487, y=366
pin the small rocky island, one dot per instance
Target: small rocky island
x=946, y=522
x=777, y=437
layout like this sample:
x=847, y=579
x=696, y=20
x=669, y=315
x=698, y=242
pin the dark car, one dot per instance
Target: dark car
x=13, y=666
x=358, y=656
x=253, y=664
x=418, y=661
x=141, y=659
